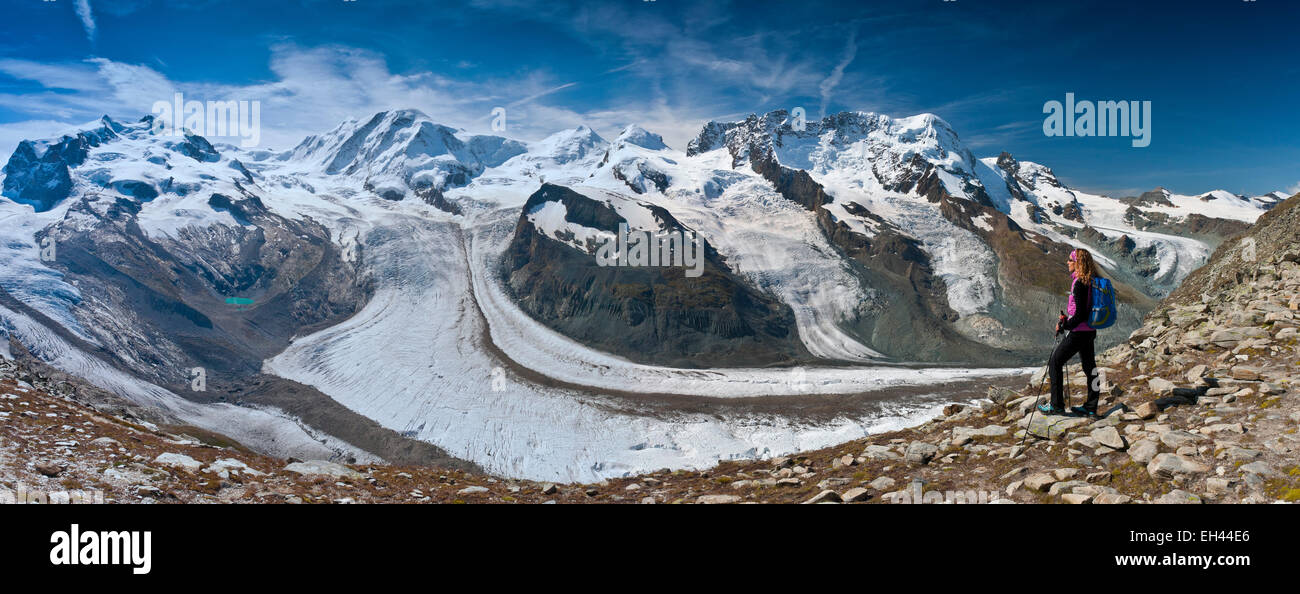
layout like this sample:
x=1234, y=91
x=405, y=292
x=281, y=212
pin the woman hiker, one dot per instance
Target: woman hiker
x=1079, y=337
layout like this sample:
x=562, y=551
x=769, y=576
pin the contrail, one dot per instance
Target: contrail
x=830, y=82
x=87, y=19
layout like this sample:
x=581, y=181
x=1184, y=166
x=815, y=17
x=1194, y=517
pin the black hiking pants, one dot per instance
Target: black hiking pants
x=1080, y=343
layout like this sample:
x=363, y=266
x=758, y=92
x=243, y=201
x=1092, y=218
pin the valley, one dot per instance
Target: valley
x=402, y=299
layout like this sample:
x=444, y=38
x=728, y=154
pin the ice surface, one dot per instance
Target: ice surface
x=415, y=360
x=267, y=430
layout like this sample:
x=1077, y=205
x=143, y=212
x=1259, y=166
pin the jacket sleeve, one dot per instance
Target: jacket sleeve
x=1082, y=305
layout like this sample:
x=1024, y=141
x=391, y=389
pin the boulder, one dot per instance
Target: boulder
x=1217, y=428
x=1065, y=487
x=1236, y=454
x=1161, y=386
x=1168, y=466
x=964, y=435
x=1227, y=338
x=920, y=453
x=1065, y=474
x=827, y=496
x=1098, y=477
x=1109, y=437
x=229, y=465
x=883, y=483
x=1111, y=499
x=1001, y=395
x=1243, y=372
x=105, y=442
x=1218, y=486
x=879, y=452
x=1178, y=438
x=856, y=494
x=1147, y=410
x=322, y=468
x=1039, y=482
x=1259, y=468
x=1179, y=496
x=178, y=461
x=1053, y=426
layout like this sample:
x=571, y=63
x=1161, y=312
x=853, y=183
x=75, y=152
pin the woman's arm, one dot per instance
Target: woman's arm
x=1082, y=308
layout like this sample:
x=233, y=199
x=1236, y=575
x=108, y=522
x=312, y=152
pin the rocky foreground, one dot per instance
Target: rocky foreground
x=1200, y=406
x=1216, y=423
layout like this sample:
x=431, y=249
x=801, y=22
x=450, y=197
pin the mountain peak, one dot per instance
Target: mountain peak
x=581, y=133
x=402, y=114
x=569, y=145
x=924, y=120
x=111, y=124
x=636, y=135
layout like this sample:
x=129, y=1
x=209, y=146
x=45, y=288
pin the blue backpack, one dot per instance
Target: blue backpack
x=1103, y=304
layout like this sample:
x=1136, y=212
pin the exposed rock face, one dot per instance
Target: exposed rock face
x=38, y=172
x=1260, y=252
x=891, y=261
x=218, y=297
x=1027, y=271
x=1156, y=197
x=655, y=314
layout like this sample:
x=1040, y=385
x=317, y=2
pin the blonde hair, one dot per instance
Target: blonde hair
x=1084, y=264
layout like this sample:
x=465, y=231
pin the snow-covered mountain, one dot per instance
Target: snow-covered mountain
x=979, y=239
x=398, y=152
x=445, y=285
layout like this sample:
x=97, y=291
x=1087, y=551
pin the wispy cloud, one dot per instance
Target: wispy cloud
x=76, y=77
x=536, y=96
x=1295, y=189
x=312, y=90
x=87, y=19
x=830, y=82
x=1003, y=136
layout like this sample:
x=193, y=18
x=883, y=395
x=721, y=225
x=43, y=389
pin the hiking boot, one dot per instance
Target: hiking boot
x=1048, y=410
x=1083, y=412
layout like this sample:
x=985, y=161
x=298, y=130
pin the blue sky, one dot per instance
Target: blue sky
x=1223, y=76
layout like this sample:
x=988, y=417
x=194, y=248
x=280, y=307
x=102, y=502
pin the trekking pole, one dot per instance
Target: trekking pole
x=1041, y=384
x=1069, y=398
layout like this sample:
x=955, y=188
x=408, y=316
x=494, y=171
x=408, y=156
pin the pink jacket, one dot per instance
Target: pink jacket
x=1079, y=307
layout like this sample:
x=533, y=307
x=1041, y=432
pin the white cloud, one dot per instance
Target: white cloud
x=1295, y=189
x=87, y=19
x=314, y=89
x=830, y=82
x=535, y=96
x=13, y=133
x=77, y=77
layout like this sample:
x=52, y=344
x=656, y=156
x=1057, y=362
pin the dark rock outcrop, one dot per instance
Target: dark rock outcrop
x=650, y=314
